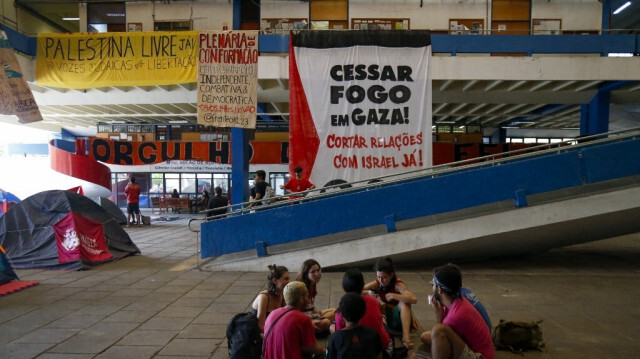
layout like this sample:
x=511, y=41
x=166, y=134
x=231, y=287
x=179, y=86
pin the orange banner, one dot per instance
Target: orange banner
x=146, y=153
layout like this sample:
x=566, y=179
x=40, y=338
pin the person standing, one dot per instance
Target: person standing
x=259, y=189
x=460, y=331
x=133, y=198
x=217, y=201
x=297, y=183
x=288, y=331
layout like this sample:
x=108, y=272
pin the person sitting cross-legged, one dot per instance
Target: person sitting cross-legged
x=289, y=333
x=354, y=341
x=460, y=331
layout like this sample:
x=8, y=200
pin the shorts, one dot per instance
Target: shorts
x=392, y=313
x=467, y=353
x=393, y=317
x=133, y=208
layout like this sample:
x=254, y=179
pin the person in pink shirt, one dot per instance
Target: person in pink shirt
x=289, y=333
x=460, y=331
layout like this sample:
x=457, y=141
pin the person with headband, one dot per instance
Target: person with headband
x=397, y=299
x=271, y=299
x=460, y=331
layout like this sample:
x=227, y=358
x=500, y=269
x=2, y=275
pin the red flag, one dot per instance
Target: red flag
x=79, y=238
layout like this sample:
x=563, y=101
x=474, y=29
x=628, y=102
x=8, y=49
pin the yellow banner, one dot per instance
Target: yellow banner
x=15, y=95
x=86, y=60
x=228, y=78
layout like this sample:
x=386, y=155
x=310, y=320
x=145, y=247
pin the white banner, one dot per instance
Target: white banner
x=370, y=107
x=228, y=78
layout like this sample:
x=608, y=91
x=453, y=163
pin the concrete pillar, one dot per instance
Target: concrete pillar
x=237, y=8
x=594, y=116
x=606, y=16
x=240, y=153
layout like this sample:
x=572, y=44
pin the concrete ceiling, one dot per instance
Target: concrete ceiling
x=541, y=104
x=553, y=102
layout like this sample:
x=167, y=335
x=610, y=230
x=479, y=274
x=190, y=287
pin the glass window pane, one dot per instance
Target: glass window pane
x=222, y=180
x=172, y=181
x=278, y=179
x=157, y=185
x=188, y=183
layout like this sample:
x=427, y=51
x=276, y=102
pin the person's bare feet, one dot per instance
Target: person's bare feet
x=407, y=344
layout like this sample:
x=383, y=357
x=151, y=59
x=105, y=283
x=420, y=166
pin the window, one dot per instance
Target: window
x=222, y=180
x=133, y=128
x=161, y=133
x=105, y=128
x=120, y=128
x=172, y=181
x=175, y=134
x=157, y=185
x=459, y=129
x=278, y=179
x=204, y=182
x=178, y=25
x=443, y=129
x=188, y=184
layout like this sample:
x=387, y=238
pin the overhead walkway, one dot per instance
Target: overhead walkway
x=513, y=203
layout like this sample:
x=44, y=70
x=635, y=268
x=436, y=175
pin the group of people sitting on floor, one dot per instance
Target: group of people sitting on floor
x=366, y=315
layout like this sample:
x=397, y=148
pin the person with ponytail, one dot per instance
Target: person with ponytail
x=271, y=299
x=396, y=298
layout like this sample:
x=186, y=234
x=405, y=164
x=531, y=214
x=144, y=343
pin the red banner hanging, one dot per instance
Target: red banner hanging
x=79, y=238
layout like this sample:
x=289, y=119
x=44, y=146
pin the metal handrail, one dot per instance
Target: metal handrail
x=433, y=171
x=197, y=232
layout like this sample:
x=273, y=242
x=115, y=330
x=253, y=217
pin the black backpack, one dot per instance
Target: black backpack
x=243, y=337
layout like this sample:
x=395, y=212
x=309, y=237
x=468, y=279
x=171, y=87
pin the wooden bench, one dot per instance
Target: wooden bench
x=157, y=203
x=177, y=203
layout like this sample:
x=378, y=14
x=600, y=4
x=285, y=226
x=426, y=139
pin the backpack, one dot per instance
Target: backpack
x=243, y=337
x=269, y=192
x=518, y=336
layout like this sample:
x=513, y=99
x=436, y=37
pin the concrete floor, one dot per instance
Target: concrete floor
x=156, y=305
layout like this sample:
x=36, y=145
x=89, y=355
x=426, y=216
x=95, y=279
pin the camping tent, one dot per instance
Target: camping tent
x=62, y=230
x=6, y=271
x=7, y=199
x=113, y=210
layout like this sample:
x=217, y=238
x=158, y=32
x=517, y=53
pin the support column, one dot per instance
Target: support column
x=606, y=16
x=240, y=153
x=237, y=8
x=594, y=116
